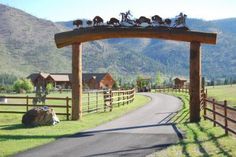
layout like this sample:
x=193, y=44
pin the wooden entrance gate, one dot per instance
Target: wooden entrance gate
x=78, y=36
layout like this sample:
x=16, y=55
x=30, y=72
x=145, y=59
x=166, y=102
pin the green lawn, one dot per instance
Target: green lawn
x=200, y=139
x=221, y=93
x=14, y=137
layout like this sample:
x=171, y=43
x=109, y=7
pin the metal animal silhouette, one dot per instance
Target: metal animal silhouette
x=113, y=21
x=78, y=23
x=143, y=19
x=181, y=20
x=97, y=21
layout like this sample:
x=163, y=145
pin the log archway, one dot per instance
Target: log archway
x=78, y=36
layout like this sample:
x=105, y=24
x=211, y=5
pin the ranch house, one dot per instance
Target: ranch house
x=63, y=80
x=180, y=83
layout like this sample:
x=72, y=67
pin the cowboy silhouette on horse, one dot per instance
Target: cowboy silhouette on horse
x=126, y=17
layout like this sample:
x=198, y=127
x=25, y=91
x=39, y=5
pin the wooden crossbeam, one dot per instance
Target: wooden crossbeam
x=97, y=33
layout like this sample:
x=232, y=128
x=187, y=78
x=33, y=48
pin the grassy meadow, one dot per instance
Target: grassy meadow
x=200, y=139
x=221, y=93
x=15, y=137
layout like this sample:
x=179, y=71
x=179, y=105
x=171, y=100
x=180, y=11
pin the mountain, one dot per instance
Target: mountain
x=27, y=46
x=173, y=57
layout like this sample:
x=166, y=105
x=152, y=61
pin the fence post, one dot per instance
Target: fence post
x=105, y=100
x=123, y=98
x=27, y=103
x=118, y=99
x=127, y=97
x=96, y=101
x=214, y=115
x=226, y=122
x=111, y=97
x=133, y=94
x=130, y=96
x=204, y=106
x=67, y=108
x=88, y=102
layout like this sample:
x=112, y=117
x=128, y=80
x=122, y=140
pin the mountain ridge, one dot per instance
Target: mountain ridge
x=27, y=46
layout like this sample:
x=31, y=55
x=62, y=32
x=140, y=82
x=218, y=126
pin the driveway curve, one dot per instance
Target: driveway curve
x=138, y=133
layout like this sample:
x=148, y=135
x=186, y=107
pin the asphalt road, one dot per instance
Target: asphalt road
x=137, y=133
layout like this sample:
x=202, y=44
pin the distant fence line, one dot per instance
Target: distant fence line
x=93, y=101
x=184, y=89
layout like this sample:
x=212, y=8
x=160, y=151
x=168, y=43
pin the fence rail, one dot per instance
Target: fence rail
x=93, y=101
x=220, y=114
x=27, y=102
x=184, y=89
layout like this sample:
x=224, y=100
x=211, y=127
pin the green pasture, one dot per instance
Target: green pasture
x=14, y=137
x=200, y=139
x=221, y=93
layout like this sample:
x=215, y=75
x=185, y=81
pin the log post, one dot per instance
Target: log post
x=96, y=101
x=225, y=113
x=88, y=102
x=204, y=106
x=27, y=103
x=67, y=108
x=214, y=112
x=76, y=81
x=195, y=81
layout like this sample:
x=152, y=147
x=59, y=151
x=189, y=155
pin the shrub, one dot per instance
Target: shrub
x=49, y=87
x=23, y=84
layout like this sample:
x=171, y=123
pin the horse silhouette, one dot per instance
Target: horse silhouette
x=158, y=19
x=143, y=19
x=78, y=23
x=97, y=21
x=167, y=22
x=113, y=21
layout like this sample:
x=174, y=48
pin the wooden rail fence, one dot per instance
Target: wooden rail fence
x=27, y=102
x=184, y=89
x=218, y=113
x=119, y=97
x=93, y=101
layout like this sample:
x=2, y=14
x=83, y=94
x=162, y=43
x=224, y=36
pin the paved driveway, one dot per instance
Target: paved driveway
x=137, y=133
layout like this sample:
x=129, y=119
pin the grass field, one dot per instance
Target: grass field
x=221, y=93
x=14, y=137
x=200, y=139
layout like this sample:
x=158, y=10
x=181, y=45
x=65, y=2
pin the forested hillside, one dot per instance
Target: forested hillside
x=27, y=46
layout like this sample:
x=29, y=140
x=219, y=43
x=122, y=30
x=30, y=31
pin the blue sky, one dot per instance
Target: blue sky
x=65, y=10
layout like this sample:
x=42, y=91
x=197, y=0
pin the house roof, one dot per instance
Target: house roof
x=44, y=75
x=181, y=79
x=65, y=77
x=97, y=76
x=36, y=75
x=61, y=77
